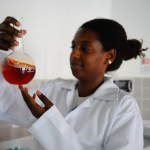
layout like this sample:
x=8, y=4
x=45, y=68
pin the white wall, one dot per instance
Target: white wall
x=134, y=15
x=51, y=26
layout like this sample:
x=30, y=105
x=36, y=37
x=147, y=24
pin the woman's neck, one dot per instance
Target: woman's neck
x=86, y=88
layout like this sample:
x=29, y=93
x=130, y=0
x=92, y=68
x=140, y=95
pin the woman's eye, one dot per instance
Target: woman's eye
x=84, y=49
x=72, y=47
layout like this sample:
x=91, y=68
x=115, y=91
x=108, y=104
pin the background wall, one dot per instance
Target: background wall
x=51, y=25
x=134, y=16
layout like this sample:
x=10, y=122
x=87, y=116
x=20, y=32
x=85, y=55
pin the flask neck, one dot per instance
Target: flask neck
x=20, y=47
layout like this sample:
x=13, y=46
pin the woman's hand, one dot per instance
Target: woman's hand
x=35, y=109
x=7, y=33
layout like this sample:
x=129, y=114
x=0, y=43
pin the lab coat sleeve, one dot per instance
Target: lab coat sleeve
x=12, y=106
x=127, y=130
x=53, y=132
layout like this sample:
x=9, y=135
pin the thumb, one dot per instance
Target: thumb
x=45, y=100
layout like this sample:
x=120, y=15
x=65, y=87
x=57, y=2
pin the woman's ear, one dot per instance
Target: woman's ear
x=111, y=55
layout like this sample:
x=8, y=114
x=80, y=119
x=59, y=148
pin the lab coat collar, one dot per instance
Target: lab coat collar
x=107, y=91
x=70, y=85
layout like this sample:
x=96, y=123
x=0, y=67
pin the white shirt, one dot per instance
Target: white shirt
x=109, y=119
x=77, y=99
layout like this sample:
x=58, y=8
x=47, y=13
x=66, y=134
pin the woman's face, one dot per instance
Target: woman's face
x=87, y=59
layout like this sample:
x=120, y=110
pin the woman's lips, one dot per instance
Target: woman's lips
x=76, y=66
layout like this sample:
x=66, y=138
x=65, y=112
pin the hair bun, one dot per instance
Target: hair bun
x=134, y=49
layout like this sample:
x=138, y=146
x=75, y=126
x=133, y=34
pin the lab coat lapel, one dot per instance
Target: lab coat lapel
x=70, y=96
x=70, y=88
x=82, y=107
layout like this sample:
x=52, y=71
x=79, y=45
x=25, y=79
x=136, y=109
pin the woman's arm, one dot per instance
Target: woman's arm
x=53, y=132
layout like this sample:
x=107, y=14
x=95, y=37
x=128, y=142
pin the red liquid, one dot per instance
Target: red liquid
x=16, y=72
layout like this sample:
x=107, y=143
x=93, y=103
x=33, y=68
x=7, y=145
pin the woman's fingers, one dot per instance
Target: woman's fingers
x=35, y=109
x=8, y=36
x=20, y=87
x=23, y=31
x=12, y=47
x=4, y=45
x=5, y=27
x=9, y=20
x=48, y=104
x=9, y=39
x=28, y=99
x=8, y=33
x=34, y=96
x=26, y=89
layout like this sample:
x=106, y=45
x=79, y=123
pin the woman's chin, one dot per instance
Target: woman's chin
x=77, y=75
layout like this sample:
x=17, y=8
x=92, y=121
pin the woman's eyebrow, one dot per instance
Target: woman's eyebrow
x=86, y=41
x=73, y=42
x=82, y=42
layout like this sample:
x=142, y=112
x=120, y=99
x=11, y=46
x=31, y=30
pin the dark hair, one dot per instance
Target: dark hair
x=113, y=36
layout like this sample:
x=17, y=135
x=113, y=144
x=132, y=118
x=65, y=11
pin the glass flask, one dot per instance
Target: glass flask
x=18, y=67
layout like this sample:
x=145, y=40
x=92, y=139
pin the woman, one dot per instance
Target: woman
x=91, y=113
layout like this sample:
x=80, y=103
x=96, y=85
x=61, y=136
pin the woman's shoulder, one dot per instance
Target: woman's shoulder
x=60, y=81
x=127, y=102
x=57, y=80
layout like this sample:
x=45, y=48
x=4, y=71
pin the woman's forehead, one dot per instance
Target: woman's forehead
x=85, y=34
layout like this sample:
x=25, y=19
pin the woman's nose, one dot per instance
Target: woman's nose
x=75, y=53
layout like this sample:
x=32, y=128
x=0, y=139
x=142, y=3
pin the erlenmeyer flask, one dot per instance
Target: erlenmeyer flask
x=18, y=67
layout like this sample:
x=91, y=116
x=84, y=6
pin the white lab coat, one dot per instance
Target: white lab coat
x=107, y=120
